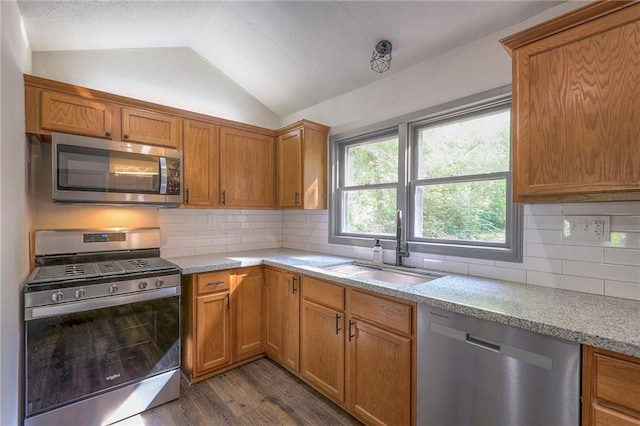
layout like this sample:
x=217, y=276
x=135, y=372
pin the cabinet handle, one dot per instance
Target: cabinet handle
x=126, y=136
x=187, y=196
x=294, y=288
x=224, y=198
x=351, y=335
x=228, y=302
x=297, y=198
x=107, y=134
x=215, y=283
x=338, y=328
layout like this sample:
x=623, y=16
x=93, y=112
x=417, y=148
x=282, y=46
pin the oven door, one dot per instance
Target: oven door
x=94, y=170
x=75, y=355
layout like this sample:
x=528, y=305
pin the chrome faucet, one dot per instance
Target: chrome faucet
x=400, y=253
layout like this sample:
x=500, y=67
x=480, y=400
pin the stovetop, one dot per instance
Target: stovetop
x=81, y=271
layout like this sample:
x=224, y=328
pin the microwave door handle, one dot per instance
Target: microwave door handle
x=163, y=175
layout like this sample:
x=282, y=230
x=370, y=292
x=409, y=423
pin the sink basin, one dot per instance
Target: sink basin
x=386, y=274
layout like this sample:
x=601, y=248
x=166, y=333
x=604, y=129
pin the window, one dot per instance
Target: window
x=447, y=169
x=368, y=186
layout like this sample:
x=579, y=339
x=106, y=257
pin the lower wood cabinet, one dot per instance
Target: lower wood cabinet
x=246, y=311
x=322, y=340
x=355, y=347
x=610, y=388
x=212, y=332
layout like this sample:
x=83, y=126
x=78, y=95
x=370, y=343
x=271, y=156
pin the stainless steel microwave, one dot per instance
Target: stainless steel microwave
x=90, y=170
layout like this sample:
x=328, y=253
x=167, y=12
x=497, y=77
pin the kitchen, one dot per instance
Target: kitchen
x=596, y=267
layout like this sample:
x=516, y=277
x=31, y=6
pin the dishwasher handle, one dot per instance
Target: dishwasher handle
x=481, y=343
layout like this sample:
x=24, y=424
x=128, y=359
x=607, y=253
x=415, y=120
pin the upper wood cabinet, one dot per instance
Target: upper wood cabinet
x=576, y=87
x=200, y=155
x=247, y=166
x=150, y=127
x=60, y=112
x=301, y=151
x=610, y=388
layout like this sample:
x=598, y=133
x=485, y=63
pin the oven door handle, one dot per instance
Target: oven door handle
x=103, y=302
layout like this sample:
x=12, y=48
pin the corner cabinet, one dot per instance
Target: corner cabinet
x=246, y=313
x=610, y=388
x=576, y=87
x=301, y=151
x=282, y=316
x=247, y=164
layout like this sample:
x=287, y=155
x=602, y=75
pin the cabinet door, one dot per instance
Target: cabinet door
x=289, y=180
x=212, y=332
x=291, y=338
x=275, y=287
x=247, y=169
x=322, y=351
x=72, y=114
x=150, y=127
x=378, y=393
x=246, y=309
x=200, y=156
x=577, y=136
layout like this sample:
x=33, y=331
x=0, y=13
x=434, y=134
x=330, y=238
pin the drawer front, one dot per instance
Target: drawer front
x=385, y=312
x=606, y=417
x=212, y=282
x=327, y=294
x=618, y=381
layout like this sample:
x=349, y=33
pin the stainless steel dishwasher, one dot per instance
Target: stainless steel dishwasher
x=477, y=372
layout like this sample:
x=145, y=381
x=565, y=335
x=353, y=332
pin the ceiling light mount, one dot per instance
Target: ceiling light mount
x=381, y=56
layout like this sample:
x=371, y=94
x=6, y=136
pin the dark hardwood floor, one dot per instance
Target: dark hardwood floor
x=258, y=393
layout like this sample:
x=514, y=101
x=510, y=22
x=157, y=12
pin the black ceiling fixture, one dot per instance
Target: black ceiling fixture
x=381, y=57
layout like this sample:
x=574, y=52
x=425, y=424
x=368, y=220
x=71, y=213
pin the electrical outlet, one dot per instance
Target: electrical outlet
x=587, y=228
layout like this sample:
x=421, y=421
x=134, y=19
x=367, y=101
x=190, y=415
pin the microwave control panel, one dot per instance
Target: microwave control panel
x=173, y=176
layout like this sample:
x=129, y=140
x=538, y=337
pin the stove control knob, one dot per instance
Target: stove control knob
x=113, y=289
x=142, y=285
x=80, y=293
x=159, y=282
x=57, y=296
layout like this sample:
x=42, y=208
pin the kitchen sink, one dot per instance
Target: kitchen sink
x=386, y=274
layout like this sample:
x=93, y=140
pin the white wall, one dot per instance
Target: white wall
x=14, y=212
x=472, y=68
x=611, y=268
x=176, y=77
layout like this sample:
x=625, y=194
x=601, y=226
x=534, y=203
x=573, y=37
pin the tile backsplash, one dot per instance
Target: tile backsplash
x=610, y=268
x=187, y=232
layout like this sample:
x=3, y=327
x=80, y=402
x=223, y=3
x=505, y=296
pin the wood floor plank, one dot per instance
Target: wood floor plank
x=258, y=393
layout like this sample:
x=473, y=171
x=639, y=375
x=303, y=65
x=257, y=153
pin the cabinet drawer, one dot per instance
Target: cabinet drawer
x=328, y=294
x=385, y=312
x=618, y=381
x=212, y=282
x=606, y=417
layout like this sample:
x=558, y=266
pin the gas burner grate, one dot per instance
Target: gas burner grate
x=65, y=272
x=110, y=268
x=145, y=264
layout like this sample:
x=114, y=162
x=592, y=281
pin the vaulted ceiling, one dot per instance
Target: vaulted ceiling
x=289, y=55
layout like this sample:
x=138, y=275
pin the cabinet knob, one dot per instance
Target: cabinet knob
x=126, y=136
x=107, y=134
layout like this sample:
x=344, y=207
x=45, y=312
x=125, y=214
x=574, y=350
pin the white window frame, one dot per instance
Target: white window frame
x=406, y=127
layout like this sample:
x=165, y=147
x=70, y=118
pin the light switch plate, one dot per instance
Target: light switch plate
x=587, y=228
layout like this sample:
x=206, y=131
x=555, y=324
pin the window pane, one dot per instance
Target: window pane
x=465, y=211
x=372, y=162
x=371, y=211
x=465, y=147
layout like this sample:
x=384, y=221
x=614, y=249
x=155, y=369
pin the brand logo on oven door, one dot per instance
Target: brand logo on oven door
x=113, y=376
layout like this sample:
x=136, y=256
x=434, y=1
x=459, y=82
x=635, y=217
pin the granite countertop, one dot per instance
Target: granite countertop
x=601, y=321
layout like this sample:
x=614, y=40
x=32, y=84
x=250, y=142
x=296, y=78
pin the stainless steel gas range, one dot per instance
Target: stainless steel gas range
x=102, y=327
